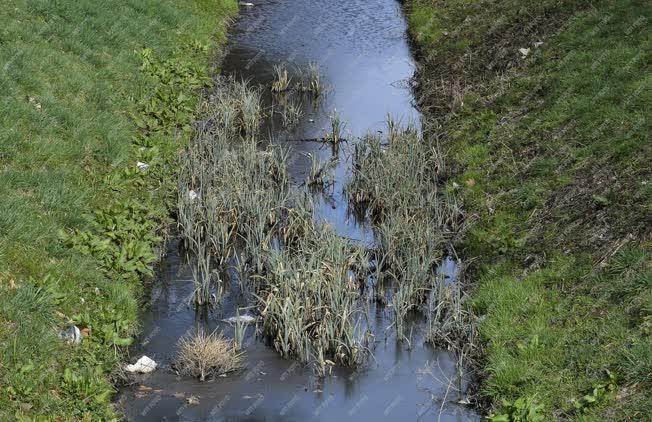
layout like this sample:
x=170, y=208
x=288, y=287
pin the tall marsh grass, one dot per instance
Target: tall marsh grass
x=236, y=204
x=396, y=184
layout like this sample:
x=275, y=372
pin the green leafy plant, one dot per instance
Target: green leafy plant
x=597, y=393
x=523, y=409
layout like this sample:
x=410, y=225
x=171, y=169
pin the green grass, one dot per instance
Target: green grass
x=551, y=156
x=75, y=85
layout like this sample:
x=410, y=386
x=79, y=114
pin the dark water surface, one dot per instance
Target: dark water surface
x=364, y=58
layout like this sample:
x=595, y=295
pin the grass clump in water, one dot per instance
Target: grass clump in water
x=396, y=184
x=207, y=356
x=309, y=301
x=281, y=82
x=312, y=82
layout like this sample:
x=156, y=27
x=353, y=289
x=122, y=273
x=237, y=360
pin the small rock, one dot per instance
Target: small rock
x=142, y=166
x=246, y=319
x=71, y=335
x=524, y=52
x=144, y=365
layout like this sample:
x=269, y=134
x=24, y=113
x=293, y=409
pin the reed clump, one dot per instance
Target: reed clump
x=310, y=303
x=236, y=204
x=396, y=184
x=321, y=172
x=281, y=82
x=311, y=81
x=335, y=136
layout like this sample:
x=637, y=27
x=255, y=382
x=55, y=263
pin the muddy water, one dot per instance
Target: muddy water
x=364, y=58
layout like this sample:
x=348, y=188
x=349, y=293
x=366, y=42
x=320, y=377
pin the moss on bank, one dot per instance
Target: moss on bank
x=544, y=109
x=96, y=102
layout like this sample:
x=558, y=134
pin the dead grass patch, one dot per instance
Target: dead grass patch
x=207, y=356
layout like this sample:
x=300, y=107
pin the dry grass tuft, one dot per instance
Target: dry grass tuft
x=207, y=356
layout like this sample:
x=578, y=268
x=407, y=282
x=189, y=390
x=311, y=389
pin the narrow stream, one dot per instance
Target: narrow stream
x=364, y=58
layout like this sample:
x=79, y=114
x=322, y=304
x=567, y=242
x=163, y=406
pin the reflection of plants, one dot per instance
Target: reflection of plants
x=291, y=112
x=239, y=331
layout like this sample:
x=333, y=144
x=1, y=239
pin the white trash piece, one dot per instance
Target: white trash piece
x=71, y=335
x=524, y=52
x=142, y=166
x=245, y=319
x=144, y=365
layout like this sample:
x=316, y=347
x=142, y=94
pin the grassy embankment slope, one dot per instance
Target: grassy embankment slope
x=551, y=150
x=88, y=90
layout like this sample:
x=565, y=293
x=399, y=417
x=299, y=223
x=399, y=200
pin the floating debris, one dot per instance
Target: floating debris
x=244, y=319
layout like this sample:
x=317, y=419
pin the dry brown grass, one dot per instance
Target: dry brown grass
x=207, y=356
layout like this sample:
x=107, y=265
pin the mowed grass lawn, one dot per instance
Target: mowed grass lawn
x=72, y=84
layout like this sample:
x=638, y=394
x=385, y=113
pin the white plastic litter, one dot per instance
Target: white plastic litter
x=144, y=365
x=246, y=319
x=246, y=4
x=142, y=166
x=72, y=335
x=524, y=52
x=192, y=195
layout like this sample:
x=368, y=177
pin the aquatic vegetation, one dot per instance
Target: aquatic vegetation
x=320, y=172
x=396, y=184
x=334, y=137
x=206, y=356
x=281, y=82
x=235, y=203
x=309, y=303
x=290, y=111
x=310, y=81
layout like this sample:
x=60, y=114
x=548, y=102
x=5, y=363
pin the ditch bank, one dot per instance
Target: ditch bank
x=98, y=102
x=540, y=108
